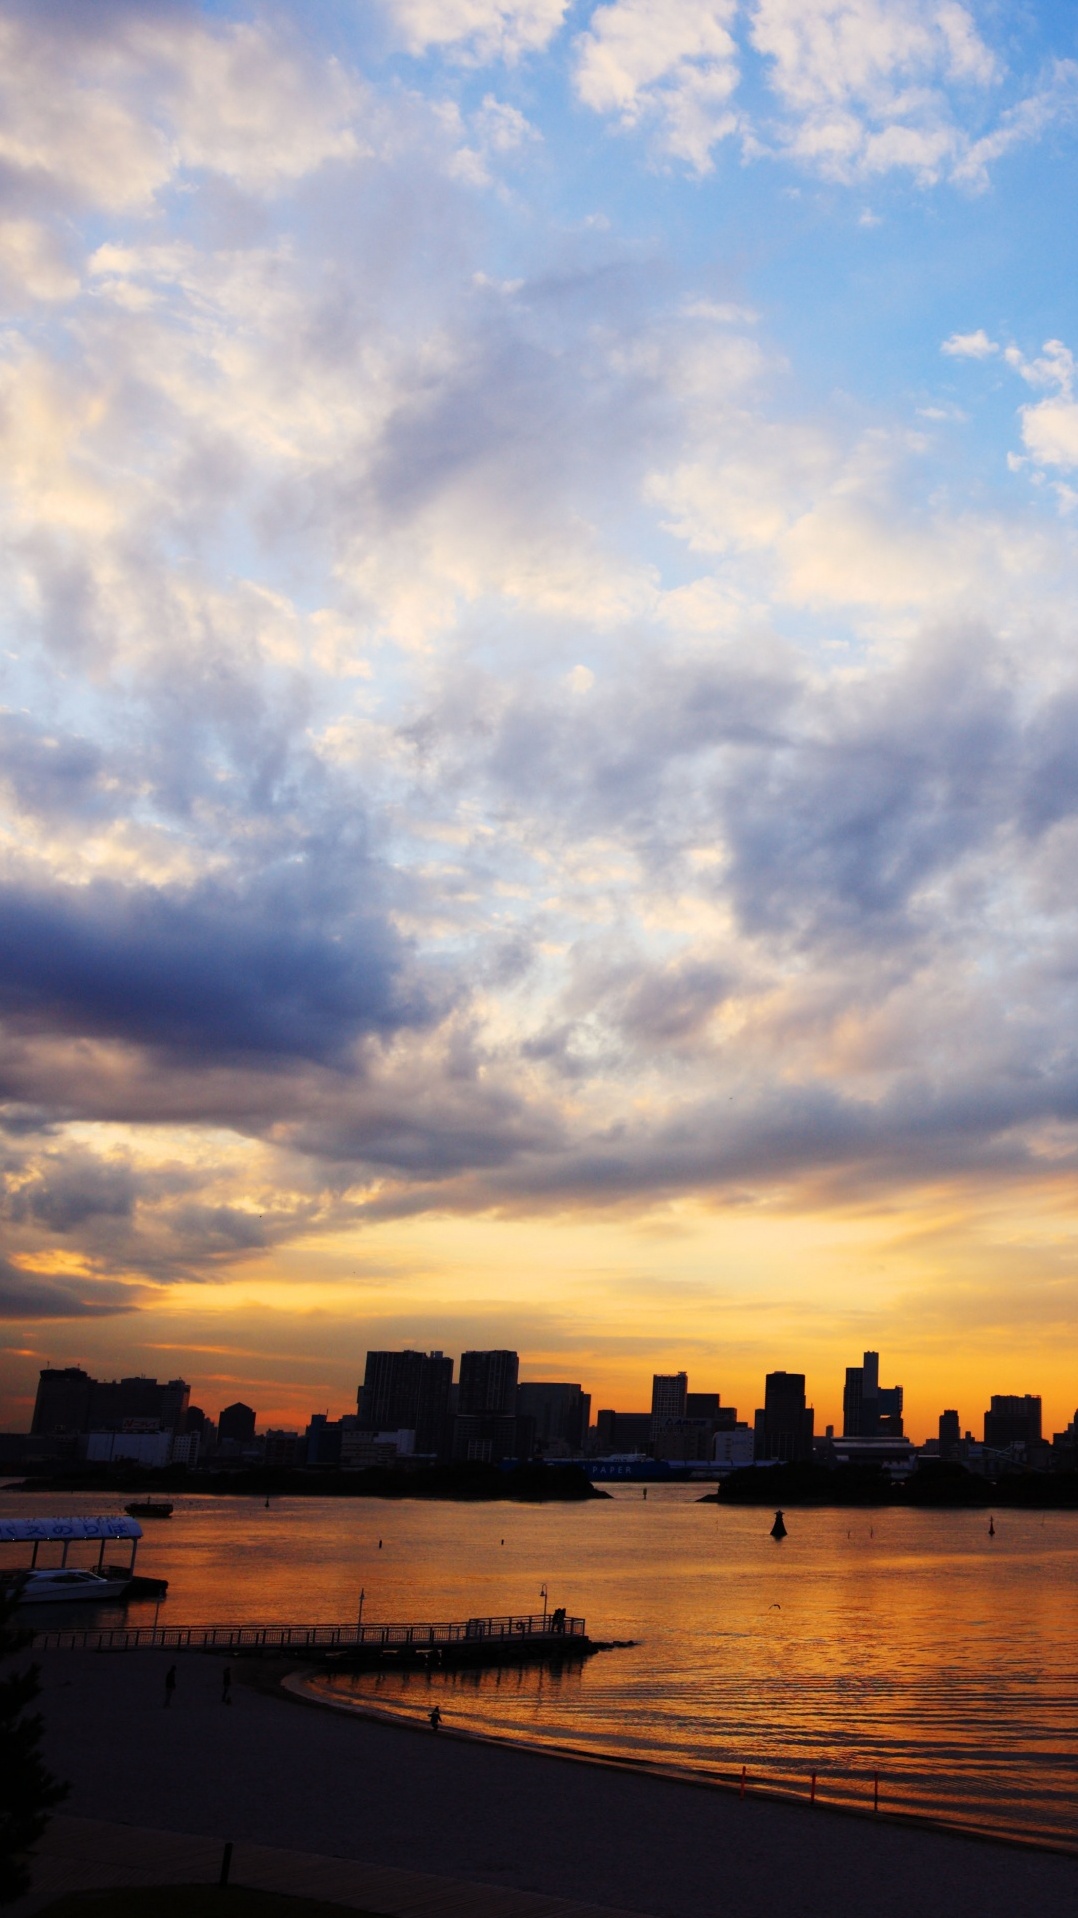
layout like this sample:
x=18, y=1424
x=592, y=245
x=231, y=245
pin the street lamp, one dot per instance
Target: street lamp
x=362, y=1596
x=543, y=1596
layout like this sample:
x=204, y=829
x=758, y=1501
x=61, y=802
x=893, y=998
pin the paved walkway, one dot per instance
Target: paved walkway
x=85, y=1854
x=269, y=1771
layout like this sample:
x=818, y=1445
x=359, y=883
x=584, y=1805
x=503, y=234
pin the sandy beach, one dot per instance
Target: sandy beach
x=270, y=1770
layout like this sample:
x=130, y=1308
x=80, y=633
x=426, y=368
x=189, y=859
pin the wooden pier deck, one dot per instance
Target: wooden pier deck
x=469, y=1640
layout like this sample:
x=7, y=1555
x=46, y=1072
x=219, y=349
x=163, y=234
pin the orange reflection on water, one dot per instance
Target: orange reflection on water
x=906, y=1644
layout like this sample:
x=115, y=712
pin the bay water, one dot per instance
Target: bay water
x=908, y=1647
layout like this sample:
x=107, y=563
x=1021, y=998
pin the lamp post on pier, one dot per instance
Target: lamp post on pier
x=359, y=1626
x=543, y=1596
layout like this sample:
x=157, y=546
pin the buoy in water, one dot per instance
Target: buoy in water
x=778, y=1530
x=991, y=1528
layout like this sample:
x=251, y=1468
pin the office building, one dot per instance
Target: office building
x=702, y=1405
x=284, y=1448
x=784, y=1423
x=733, y=1448
x=950, y=1437
x=669, y=1391
x=621, y=1432
x=869, y=1409
x=62, y=1405
x=682, y=1441
x=488, y=1384
x=150, y=1449
x=1065, y=1448
x=407, y=1391
x=560, y=1415
x=687, y=1437
x=485, y=1426
x=236, y=1425
x=69, y=1400
x=1011, y=1420
x=323, y=1440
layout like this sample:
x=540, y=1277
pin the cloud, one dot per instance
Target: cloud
x=969, y=346
x=476, y=30
x=1052, y=103
x=865, y=84
x=674, y=63
x=212, y=972
x=70, y=1190
x=853, y=89
x=108, y=115
x=1049, y=428
x=29, y=1295
x=477, y=736
x=1050, y=432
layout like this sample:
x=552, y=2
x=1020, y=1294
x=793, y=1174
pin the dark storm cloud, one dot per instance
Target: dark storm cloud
x=209, y=972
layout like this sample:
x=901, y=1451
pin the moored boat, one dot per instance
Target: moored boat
x=149, y=1508
x=40, y=1584
x=46, y=1587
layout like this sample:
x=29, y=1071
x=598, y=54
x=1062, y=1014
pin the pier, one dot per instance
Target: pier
x=513, y=1638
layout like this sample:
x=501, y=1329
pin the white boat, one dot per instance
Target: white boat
x=58, y=1582
x=45, y=1584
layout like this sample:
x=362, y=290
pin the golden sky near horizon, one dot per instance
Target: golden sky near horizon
x=539, y=694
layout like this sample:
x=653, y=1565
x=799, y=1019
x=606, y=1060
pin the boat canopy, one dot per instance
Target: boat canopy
x=18, y=1530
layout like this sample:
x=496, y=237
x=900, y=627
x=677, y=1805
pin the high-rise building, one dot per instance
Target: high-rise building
x=236, y=1424
x=407, y=1391
x=488, y=1384
x=69, y=1400
x=432, y=1418
x=950, y=1435
x=869, y=1409
x=62, y=1405
x=784, y=1423
x=561, y=1414
x=486, y=1427
x=669, y=1391
x=1012, y=1421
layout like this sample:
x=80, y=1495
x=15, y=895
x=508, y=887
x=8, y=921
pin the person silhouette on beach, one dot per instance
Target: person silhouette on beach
x=170, y=1685
x=226, y=1685
x=435, y=1718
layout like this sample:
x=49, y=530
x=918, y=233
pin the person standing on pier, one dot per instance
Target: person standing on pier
x=435, y=1718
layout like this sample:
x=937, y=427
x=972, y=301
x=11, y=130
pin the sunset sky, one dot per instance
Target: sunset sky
x=539, y=707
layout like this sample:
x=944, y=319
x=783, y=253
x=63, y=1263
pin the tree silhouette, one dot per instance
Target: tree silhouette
x=27, y=1789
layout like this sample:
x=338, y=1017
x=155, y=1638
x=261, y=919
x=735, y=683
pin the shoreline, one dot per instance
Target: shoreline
x=296, y=1687
x=480, y=1810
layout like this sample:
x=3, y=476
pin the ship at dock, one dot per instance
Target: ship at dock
x=86, y=1584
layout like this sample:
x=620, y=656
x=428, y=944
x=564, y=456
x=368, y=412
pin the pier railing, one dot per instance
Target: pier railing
x=301, y=1638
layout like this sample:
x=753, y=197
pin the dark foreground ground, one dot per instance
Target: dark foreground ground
x=274, y=1772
